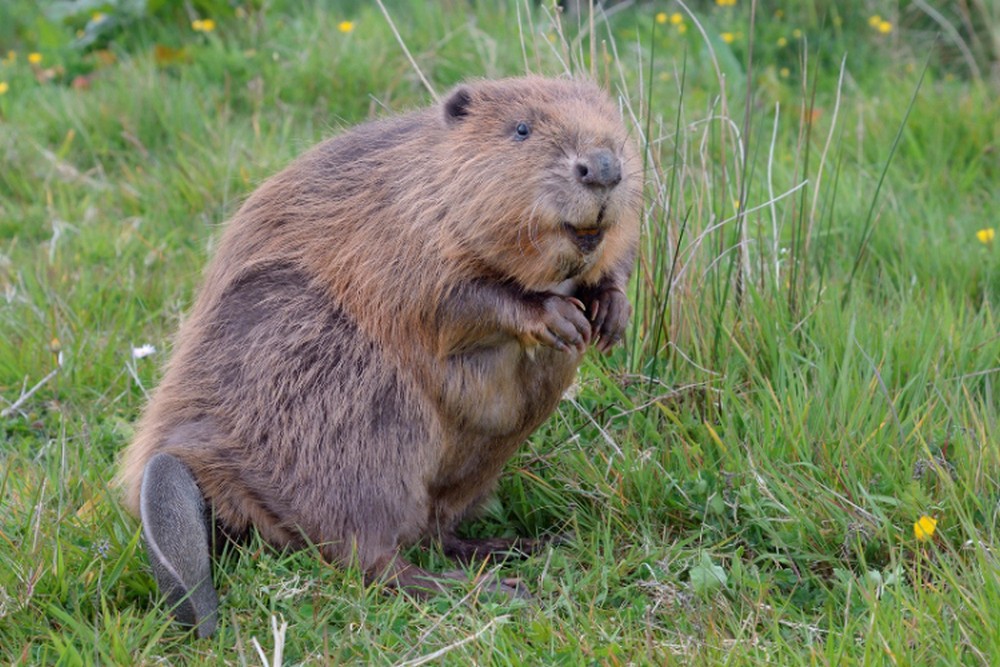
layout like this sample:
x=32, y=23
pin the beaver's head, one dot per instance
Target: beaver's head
x=544, y=178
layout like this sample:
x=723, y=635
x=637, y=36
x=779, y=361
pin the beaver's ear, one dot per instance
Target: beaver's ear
x=456, y=107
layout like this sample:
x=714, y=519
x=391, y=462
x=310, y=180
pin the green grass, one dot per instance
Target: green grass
x=742, y=477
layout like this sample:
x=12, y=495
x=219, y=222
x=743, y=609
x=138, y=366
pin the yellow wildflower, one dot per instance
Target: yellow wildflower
x=661, y=18
x=203, y=25
x=34, y=58
x=728, y=37
x=4, y=87
x=726, y=3
x=782, y=42
x=874, y=20
x=676, y=18
x=884, y=27
x=986, y=235
x=797, y=34
x=97, y=17
x=11, y=57
x=682, y=28
x=345, y=26
x=924, y=528
x=785, y=72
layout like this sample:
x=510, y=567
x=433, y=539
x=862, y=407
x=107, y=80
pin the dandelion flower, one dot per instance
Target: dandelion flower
x=97, y=17
x=874, y=20
x=34, y=58
x=661, y=18
x=797, y=34
x=726, y=3
x=728, y=37
x=345, y=26
x=986, y=235
x=676, y=18
x=203, y=25
x=785, y=72
x=884, y=27
x=924, y=528
x=782, y=42
x=4, y=87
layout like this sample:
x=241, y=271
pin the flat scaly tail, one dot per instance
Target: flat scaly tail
x=174, y=528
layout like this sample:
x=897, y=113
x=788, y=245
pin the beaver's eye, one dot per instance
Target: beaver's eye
x=522, y=131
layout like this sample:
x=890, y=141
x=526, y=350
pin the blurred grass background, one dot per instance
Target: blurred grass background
x=811, y=368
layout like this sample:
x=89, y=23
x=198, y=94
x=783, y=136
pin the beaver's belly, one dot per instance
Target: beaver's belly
x=502, y=389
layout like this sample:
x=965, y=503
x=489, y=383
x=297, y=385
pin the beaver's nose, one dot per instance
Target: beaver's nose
x=599, y=168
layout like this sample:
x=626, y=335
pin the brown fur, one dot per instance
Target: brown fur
x=373, y=337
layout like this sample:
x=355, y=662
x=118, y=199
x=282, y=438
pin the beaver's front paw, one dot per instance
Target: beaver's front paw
x=609, y=312
x=560, y=323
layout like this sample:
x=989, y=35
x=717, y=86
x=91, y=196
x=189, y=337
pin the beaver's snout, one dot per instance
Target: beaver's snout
x=600, y=168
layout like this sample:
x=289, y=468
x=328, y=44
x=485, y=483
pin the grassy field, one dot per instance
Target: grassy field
x=812, y=368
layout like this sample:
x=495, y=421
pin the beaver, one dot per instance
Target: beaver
x=383, y=323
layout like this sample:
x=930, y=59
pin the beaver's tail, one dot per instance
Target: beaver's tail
x=175, y=529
